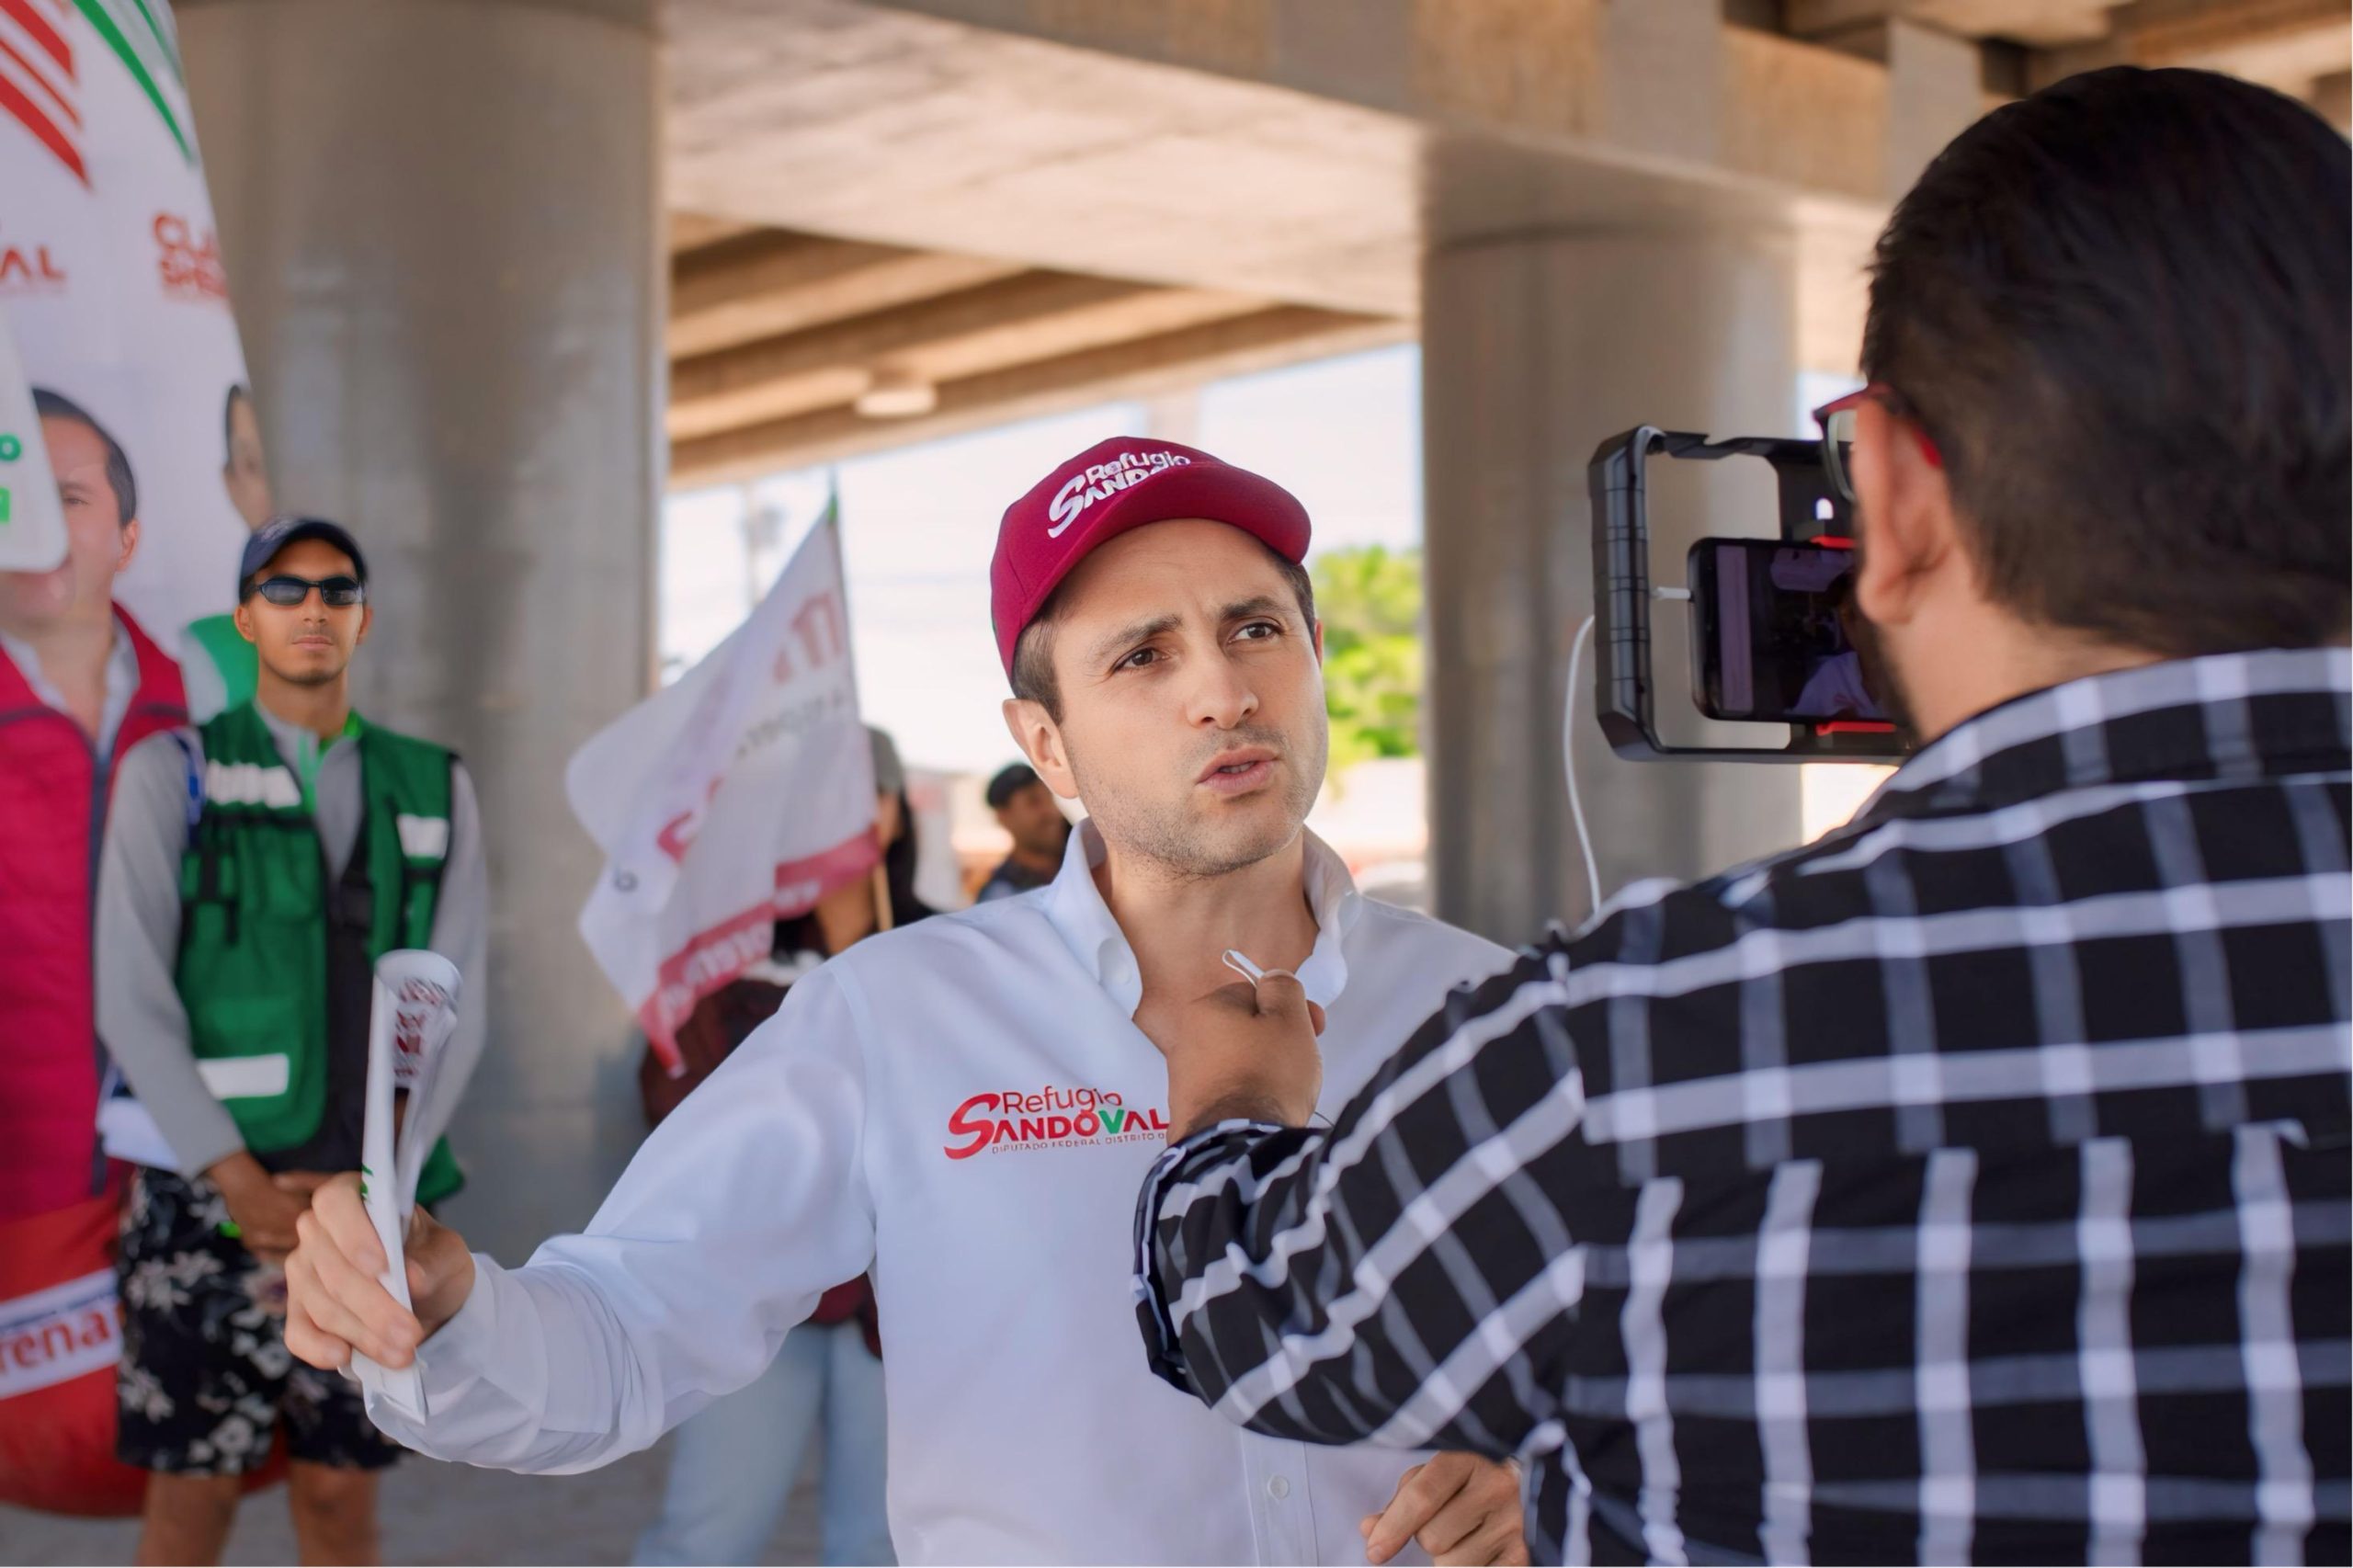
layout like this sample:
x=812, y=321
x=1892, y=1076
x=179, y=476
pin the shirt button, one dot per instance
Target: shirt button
x=1278, y=1488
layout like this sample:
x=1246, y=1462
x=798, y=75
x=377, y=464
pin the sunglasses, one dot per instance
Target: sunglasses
x=338, y=592
x=1838, y=421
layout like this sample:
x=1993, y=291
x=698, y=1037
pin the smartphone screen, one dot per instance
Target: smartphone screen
x=1777, y=636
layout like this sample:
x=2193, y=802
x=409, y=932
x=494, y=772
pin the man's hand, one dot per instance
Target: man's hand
x=1245, y=1050
x=334, y=1304
x=264, y=1210
x=1459, y=1507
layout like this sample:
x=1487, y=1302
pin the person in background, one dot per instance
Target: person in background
x=80, y=687
x=219, y=663
x=895, y=825
x=1026, y=808
x=253, y=870
x=732, y=1467
x=1970, y=1185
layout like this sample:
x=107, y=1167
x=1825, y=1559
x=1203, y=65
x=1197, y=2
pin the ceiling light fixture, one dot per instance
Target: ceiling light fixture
x=897, y=394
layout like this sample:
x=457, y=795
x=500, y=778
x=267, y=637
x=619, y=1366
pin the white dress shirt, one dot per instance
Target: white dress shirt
x=867, y=1126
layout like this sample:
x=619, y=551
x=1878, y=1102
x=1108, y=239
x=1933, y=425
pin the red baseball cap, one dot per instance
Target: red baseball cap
x=1109, y=488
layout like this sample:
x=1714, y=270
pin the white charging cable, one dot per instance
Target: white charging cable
x=1569, y=761
x=1569, y=738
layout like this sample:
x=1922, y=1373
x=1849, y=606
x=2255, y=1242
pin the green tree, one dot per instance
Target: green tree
x=1369, y=600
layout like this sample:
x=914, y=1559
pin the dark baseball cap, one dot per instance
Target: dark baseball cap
x=279, y=532
x=1109, y=488
x=1010, y=781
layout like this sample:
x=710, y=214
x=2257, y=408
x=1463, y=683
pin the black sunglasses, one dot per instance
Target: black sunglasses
x=338, y=592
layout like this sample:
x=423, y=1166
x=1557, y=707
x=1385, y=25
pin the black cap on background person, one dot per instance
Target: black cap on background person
x=279, y=532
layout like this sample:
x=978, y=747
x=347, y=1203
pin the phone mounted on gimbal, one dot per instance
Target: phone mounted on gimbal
x=1773, y=642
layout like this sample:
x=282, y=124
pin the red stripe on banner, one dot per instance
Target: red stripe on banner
x=823, y=871
x=42, y=82
x=27, y=113
x=714, y=956
x=44, y=32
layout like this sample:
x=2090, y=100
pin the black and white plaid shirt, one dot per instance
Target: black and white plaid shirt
x=1970, y=1185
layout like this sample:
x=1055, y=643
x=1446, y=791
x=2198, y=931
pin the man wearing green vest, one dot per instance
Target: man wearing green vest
x=253, y=870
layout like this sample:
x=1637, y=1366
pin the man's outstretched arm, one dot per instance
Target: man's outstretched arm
x=1385, y=1281
x=743, y=1206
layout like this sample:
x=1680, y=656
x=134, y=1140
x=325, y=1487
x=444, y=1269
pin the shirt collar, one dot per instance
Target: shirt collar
x=294, y=740
x=2221, y=716
x=1074, y=904
x=122, y=677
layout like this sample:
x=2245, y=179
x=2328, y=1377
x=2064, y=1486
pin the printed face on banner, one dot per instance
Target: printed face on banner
x=111, y=283
x=92, y=487
x=242, y=473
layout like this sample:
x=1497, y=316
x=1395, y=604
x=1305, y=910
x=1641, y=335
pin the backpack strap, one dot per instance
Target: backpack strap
x=205, y=845
x=192, y=759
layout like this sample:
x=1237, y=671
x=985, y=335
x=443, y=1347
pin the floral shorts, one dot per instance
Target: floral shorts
x=206, y=1378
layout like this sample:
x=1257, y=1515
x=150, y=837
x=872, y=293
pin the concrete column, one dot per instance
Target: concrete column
x=1535, y=347
x=1935, y=91
x=440, y=218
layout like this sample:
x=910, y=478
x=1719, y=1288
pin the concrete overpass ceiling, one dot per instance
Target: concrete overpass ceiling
x=789, y=348
x=2303, y=47
x=862, y=121
x=1026, y=204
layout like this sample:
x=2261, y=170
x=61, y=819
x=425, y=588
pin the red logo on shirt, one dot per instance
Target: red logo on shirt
x=1049, y=1118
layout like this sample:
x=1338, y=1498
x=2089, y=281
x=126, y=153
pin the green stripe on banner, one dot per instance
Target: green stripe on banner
x=164, y=43
x=96, y=14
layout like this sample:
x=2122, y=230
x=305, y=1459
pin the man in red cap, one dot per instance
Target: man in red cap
x=965, y=1107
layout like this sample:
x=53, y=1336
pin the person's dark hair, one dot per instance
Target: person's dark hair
x=1033, y=654
x=237, y=395
x=2118, y=307
x=1010, y=781
x=900, y=860
x=49, y=404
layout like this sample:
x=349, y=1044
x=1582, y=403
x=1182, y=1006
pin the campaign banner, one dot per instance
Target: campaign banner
x=112, y=287
x=737, y=797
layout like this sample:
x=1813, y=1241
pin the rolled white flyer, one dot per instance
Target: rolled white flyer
x=425, y=989
x=415, y=1008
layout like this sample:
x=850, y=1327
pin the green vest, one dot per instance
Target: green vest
x=239, y=664
x=253, y=970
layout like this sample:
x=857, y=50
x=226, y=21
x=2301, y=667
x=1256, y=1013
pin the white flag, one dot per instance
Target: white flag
x=736, y=797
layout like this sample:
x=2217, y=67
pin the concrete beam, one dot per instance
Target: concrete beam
x=2043, y=23
x=690, y=230
x=2286, y=44
x=2333, y=96
x=1264, y=340
x=1933, y=96
x=1033, y=316
x=764, y=284
x=1662, y=84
